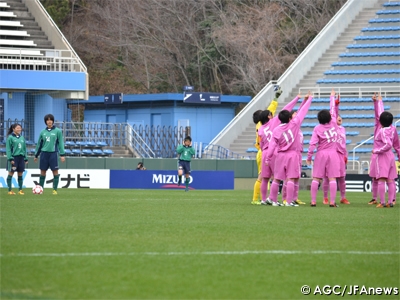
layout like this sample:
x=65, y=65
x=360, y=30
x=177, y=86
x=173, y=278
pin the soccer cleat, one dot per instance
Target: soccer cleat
x=284, y=202
x=344, y=201
x=269, y=202
x=326, y=201
x=256, y=202
x=55, y=192
x=333, y=205
x=373, y=201
x=291, y=204
x=298, y=201
x=394, y=201
x=179, y=183
x=21, y=192
x=186, y=189
x=389, y=205
x=11, y=193
x=276, y=204
x=313, y=204
x=380, y=205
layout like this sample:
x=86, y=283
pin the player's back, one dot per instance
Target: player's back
x=326, y=136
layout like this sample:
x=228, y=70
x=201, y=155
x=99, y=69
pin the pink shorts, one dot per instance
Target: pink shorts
x=287, y=165
x=267, y=171
x=383, y=165
x=326, y=164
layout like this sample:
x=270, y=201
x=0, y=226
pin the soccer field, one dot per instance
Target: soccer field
x=169, y=244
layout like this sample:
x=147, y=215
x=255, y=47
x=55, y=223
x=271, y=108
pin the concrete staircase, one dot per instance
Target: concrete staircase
x=246, y=138
x=30, y=25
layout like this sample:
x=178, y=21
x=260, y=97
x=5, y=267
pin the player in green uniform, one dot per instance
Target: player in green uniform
x=16, y=156
x=50, y=146
x=185, y=152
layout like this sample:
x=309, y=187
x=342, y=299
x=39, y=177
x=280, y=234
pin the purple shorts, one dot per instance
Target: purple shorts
x=287, y=165
x=326, y=164
x=383, y=165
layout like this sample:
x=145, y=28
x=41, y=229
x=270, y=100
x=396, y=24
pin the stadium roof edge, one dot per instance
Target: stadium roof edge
x=168, y=97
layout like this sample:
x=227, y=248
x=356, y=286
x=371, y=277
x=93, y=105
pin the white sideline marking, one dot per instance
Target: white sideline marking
x=198, y=253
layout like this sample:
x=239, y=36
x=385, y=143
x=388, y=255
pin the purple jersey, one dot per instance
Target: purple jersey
x=325, y=135
x=265, y=131
x=285, y=136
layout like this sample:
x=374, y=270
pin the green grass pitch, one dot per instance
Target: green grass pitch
x=169, y=244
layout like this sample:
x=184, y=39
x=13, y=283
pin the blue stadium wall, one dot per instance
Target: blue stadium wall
x=206, y=121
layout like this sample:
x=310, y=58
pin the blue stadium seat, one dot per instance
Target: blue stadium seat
x=101, y=144
x=388, y=12
x=390, y=4
x=87, y=152
x=108, y=152
x=388, y=20
x=80, y=144
x=3, y=151
x=90, y=144
x=98, y=152
x=251, y=150
x=69, y=144
x=76, y=152
x=68, y=152
x=31, y=151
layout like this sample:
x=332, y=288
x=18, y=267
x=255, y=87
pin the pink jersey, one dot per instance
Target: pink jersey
x=286, y=135
x=325, y=135
x=265, y=131
x=341, y=141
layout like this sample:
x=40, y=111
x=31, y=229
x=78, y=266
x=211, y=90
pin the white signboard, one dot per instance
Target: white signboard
x=69, y=178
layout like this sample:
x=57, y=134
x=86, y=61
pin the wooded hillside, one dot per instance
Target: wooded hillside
x=156, y=46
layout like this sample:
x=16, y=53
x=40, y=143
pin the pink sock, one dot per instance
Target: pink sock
x=290, y=191
x=273, y=193
x=296, y=191
x=284, y=193
x=333, y=190
x=325, y=187
x=381, y=191
x=342, y=187
x=374, y=188
x=263, y=189
x=314, y=191
x=391, y=191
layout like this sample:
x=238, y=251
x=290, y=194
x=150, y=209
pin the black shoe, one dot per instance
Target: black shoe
x=313, y=204
x=373, y=201
x=333, y=205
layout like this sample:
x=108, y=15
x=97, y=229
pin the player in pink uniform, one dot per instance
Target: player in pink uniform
x=326, y=159
x=265, y=133
x=285, y=141
x=342, y=152
x=383, y=166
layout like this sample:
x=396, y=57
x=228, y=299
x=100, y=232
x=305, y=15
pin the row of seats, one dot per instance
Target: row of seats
x=73, y=152
x=365, y=63
x=368, y=54
x=362, y=72
x=367, y=46
x=348, y=133
x=359, y=150
x=391, y=28
x=388, y=12
x=389, y=4
x=367, y=125
x=345, y=107
x=359, y=116
x=385, y=20
x=84, y=144
x=376, y=37
x=356, y=81
x=350, y=100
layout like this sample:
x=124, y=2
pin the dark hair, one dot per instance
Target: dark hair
x=140, y=164
x=324, y=116
x=284, y=116
x=386, y=119
x=264, y=116
x=48, y=117
x=292, y=112
x=12, y=127
x=188, y=138
x=256, y=116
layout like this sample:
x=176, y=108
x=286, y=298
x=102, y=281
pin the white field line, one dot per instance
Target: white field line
x=315, y=252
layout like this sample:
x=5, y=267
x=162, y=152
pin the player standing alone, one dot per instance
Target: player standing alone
x=185, y=152
x=50, y=146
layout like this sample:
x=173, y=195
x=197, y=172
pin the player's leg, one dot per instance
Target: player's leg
x=342, y=188
x=391, y=192
x=9, y=180
x=273, y=193
x=332, y=191
x=381, y=192
x=257, y=184
x=314, y=190
x=325, y=189
x=187, y=175
x=53, y=163
x=180, y=173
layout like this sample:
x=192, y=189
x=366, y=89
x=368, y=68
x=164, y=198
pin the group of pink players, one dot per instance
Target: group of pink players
x=281, y=145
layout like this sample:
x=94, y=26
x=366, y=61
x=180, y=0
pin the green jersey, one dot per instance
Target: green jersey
x=15, y=146
x=50, y=140
x=185, y=152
